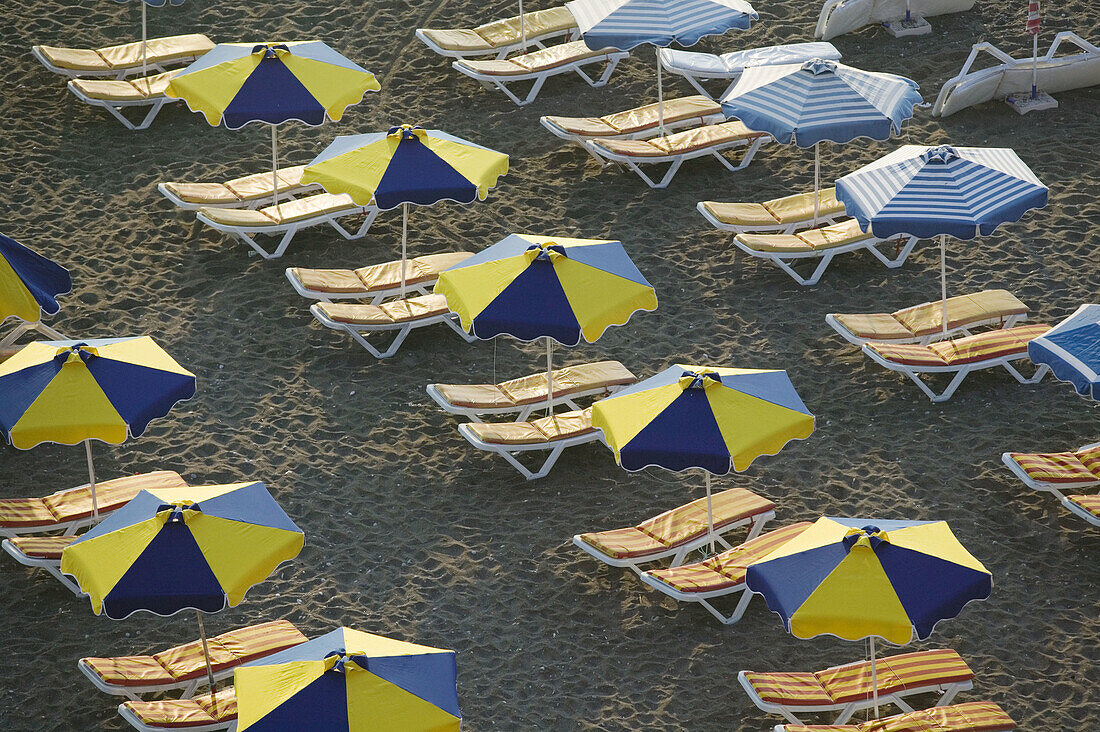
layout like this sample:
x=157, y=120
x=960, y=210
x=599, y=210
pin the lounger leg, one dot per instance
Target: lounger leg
x=394, y=345
x=360, y=232
x=191, y=688
x=902, y=253
x=949, y=694
x=1035, y=378
x=607, y=71
x=150, y=116
x=814, y=277
x=455, y=324
x=742, y=605
x=847, y=712
x=64, y=579
x=756, y=527
x=746, y=158
x=534, y=92
x=117, y=113
x=284, y=242
x=698, y=86
x=898, y=701
x=669, y=174
x=524, y=471
x=946, y=394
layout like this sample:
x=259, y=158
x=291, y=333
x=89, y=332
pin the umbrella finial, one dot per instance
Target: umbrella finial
x=940, y=154
x=269, y=49
x=699, y=379
x=869, y=536
x=178, y=512
x=546, y=251
x=337, y=661
x=818, y=66
x=77, y=351
x=407, y=132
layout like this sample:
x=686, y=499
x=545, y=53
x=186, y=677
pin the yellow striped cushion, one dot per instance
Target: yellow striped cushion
x=42, y=547
x=25, y=512
x=1053, y=467
x=256, y=641
x=675, y=110
x=969, y=717
x=623, y=543
x=221, y=706
x=852, y=682
x=799, y=207
x=130, y=670
x=927, y=318
x=909, y=354
x=988, y=345
x=789, y=689
x=111, y=495
x=836, y=235
x=740, y=214
x=184, y=713
x=565, y=425
x=188, y=661
x=1090, y=458
x=1089, y=503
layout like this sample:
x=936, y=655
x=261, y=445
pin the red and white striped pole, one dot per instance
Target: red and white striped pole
x=1033, y=22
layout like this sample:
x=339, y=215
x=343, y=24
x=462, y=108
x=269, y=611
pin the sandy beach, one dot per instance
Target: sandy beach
x=412, y=534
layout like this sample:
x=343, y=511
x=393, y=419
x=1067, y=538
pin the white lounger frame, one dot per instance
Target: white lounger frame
x=288, y=230
x=359, y=332
x=521, y=412
x=137, y=724
x=22, y=329
x=1055, y=73
x=948, y=693
x=501, y=81
x=680, y=552
x=695, y=77
x=511, y=452
x=374, y=297
x=134, y=693
x=53, y=566
x=777, y=228
x=960, y=372
x=117, y=74
x=703, y=597
x=1056, y=488
x=844, y=16
x=501, y=52
x=784, y=260
x=284, y=195
x=116, y=107
x=675, y=161
x=580, y=140
x=1008, y=322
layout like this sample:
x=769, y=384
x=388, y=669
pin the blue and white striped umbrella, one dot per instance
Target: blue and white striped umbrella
x=625, y=24
x=1072, y=350
x=820, y=100
x=926, y=191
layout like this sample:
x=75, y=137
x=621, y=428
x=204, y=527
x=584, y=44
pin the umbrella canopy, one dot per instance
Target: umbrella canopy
x=858, y=578
x=29, y=283
x=103, y=389
x=173, y=549
x=559, y=288
x=928, y=191
x=1072, y=350
x=348, y=680
x=717, y=419
x=238, y=83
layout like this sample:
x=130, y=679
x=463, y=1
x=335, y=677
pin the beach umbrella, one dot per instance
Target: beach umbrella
x=626, y=24
x=145, y=25
x=804, y=104
x=175, y=549
x=926, y=191
x=350, y=681
x=404, y=165
x=714, y=418
x=98, y=389
x=29, y=286
x=1072, y=350
x=238, y=83
x=557, y=288
x=862, y=578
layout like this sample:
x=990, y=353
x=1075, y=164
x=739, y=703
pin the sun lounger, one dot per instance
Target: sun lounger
x=43, y=552
x=847, y=689
x=184, y=667
x=679, y=532
x=959, y=357
x=823, y=243
x=538, y=66
x=250, y=191
x=125, y=59
x=844, y=16
x=198, y=714
x=698, y=67
x=1054, y=472
x=116, y=95
x=376, y=282
x=969, y=717
x=720, y=575
x=501, y=37
x=360, y=320
x=287, y=219
x=71, y=509
x=528, y=393
x=783, y=215
x=924, y=323
x=510, y=439
x=674, y=149
x=635, y=124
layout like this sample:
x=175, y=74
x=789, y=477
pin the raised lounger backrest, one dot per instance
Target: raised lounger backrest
x=988, y=345
x=675, y=110
x=835, y=235
x=800, y=207
x=198, y=711
x=852, y=682
x=689, y=522
x=927, y=318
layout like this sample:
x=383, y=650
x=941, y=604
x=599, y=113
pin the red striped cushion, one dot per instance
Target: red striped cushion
x=1089, y=503
x=910, y=354
x=989, y=345
x=789, y=689
x=1053, y=467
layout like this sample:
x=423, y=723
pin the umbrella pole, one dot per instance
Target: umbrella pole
x=1034, y=65
x=549, y=377
x=660, y=97
x=522, y=29
x=275, y=168
x=710, y=512
x=144, y=35
x=908, y=17
x=209, y=669
x=404, y=243
x=91, y=476
x=874, y=677
x=817, y=181
x=943, y=280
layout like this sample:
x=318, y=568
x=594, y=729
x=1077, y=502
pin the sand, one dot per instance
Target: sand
x=412, y=534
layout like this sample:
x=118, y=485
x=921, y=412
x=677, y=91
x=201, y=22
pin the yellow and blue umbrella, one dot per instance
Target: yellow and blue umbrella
x=406, y=165
x=29, y=285
x=713, y=418
x=557, y=288
x=77, y=391
x=860, y=578
x=238, y=83
x=174, y=549
x=350, y=681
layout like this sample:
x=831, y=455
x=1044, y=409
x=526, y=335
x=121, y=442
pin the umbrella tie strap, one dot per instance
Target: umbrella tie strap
x=818, y=66
x=178, y=512
x=270, y=50
x=77, y=351
x=940, y=154
x=699, y=380
x=547, y=251
x=868, y=536
x=408, y=132
x=337, y=661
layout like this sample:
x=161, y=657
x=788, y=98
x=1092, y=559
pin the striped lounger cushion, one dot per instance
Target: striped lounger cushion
x=1091, y=504
x=76, y=503
x=532, y=389
x=501, y=33
x=679, y=526
x=541, y=431
x=1060, y=467
x=962, y=351
x=184, y=713
x=43, y=547
x=634, y=121
x=536, y=62
x=390, y=313
x=969, y=717
x=377, y=277
x=239, y=190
